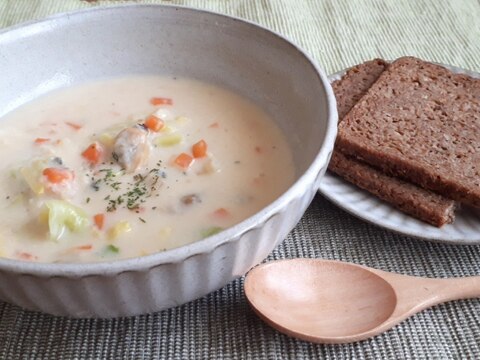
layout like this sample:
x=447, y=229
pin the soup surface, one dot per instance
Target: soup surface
x=132, y=166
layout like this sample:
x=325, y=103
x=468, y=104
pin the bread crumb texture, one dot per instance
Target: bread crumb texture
x=421, y=122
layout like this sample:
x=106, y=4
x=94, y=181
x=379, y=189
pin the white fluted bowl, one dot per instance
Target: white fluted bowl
x=103, y=42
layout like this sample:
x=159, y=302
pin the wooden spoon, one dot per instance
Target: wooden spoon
x=334, y=302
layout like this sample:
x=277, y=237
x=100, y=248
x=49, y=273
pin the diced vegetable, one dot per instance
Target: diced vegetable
x=182, y=120
x=168, y=140
x=41, y=140
x=163, y=113
x=199, y=149
x=221, y=213
x=84, y=247
x=33, y=174
x=99, y=220
x=64, y=216
x=106, y=139
x=153, y=123
x=93, y=153
x=210, y=231
x=165, y=233
x=73, y=125
x=161, y=101
x=168, y=129
x=57, y=175
x=183, y=160
x=208, y=168
x=26, y=256
x=118, y=229
x=111, y=249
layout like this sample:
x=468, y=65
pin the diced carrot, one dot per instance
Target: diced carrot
x=41, y=140
x=161, y=101
x=221, y=213
x=259, y=180
x=73, y=125
x=57, y=175
x=153, y=123
x=84, y=247
x=199, y=149
x=214, y=125
x=183, y=160
x=93, y=153
x=26, y=256
x=99, y=220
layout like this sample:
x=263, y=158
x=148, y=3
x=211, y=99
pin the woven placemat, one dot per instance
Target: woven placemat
x=222, y=325
x=339, y=34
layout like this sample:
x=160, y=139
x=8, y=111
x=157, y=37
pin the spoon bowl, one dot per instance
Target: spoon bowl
x=335, y=302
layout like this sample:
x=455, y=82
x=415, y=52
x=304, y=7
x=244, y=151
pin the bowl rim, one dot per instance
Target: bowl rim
x=203, y=246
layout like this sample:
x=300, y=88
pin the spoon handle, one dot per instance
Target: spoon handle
x=459, y=288
x=418, y=293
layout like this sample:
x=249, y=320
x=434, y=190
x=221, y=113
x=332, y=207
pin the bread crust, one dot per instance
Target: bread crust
x=411, y=199
x=355, y=83
x=420, y=122
x=407, y=197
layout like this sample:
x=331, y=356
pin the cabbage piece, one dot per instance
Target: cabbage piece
x=118, y=229
x=182, y=120
x=168, y=140
x=211, y=231
x=168, y=129
x=64, y=216
x=106, y=139
x=33, y=175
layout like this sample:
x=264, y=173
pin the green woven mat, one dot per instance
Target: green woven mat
x=221, y=325
x=338, y=33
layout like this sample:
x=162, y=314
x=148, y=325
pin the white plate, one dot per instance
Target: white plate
x=465, y=229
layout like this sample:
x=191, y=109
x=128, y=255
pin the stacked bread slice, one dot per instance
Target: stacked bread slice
x=409, y=132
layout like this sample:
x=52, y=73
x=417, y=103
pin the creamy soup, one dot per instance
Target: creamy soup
x=132, y=166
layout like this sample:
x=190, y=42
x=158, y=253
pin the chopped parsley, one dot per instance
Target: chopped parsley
x=130, y=194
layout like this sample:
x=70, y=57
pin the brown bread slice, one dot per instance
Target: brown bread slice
x=421, y=122
x=355, y=83
x=409, y=198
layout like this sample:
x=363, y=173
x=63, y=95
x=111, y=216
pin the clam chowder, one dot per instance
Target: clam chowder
x=132, y=166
